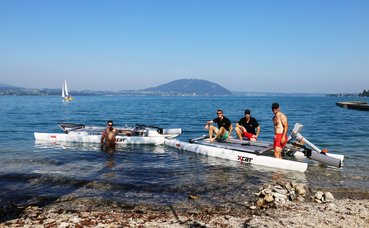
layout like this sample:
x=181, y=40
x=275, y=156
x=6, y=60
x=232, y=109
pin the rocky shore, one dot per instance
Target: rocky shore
x=275, y=205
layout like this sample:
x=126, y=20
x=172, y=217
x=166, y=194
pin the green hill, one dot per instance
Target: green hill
x=190, y=87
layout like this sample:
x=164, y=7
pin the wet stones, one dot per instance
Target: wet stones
x=323, y=197
x=278, y=194
x=192, y=197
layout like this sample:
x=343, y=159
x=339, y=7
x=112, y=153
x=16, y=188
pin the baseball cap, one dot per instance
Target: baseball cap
x=275, y=105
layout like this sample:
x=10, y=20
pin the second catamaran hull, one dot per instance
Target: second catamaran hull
x=86, y=138
x=238, y=156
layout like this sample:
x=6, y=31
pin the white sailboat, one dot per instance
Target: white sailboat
x=65, y=94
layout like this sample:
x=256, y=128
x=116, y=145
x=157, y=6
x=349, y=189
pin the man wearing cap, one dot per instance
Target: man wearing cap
x=280, y=130
x=247, y=127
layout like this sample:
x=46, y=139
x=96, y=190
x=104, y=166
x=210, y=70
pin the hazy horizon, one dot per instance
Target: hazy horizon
x=270, y=46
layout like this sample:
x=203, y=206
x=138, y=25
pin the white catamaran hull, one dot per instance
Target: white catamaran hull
x=81, y=137
x=238, y=156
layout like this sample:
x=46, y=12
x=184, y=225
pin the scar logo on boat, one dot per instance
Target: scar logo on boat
x=244, y=159
x=120, y=140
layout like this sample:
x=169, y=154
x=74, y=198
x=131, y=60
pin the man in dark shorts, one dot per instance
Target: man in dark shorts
x=248, y=127
x=224, y=129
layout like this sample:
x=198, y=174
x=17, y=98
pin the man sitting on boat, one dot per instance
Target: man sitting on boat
x=246, y=127
x=108, y=135
x=224, y=129
x=280, y=130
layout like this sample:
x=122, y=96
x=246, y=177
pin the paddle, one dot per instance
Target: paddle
x=72, y=126
x=245, y=143
x=198, y=138
x=234, y=148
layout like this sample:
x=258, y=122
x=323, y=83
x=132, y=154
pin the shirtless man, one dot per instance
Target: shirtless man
x=280, y=130
x=108, y=135
x=224, y=129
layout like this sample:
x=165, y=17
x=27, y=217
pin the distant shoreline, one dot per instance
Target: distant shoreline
x=146, y=94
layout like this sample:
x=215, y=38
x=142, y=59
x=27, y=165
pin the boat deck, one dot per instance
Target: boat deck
x=259, y=147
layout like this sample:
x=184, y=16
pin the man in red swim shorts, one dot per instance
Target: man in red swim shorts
x=247, y=127
x=278, y=141
x=280, y=130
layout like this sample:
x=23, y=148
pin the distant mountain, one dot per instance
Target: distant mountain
x=2, y=85
x=190, y=87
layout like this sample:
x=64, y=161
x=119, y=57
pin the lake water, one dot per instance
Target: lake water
x=31, y=171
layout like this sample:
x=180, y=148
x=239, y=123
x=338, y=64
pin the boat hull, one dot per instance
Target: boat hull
x=88, y=138
x=359, y=105
x=239, y=156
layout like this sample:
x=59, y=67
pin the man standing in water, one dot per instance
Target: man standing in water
x=108, y=135
x=224, y=129
x=280, y=130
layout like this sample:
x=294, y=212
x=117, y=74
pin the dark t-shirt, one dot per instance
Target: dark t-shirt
x=250, y=126
x=225, y=122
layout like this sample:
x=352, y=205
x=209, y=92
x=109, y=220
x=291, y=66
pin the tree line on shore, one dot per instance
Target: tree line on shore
x=365, y=93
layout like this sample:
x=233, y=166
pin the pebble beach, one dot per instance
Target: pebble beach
x=346, y=209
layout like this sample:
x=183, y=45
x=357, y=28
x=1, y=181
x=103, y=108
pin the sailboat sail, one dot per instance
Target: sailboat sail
x=65, y=93
x=63, y=89
x=66, y=88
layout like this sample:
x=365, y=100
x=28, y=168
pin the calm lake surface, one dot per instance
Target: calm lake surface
x=32, y=171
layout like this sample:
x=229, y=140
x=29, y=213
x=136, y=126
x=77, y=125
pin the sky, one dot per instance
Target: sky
x=253, y=46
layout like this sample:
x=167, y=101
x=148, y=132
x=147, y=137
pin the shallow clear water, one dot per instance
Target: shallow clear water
x=157, y=174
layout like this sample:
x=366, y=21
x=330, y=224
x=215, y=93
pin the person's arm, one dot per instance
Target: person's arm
x=285, y=127
x=257, y=131
x=240, y=126
x=102, y=137
x=256, y=123
x=208, y=124
x=230, y=129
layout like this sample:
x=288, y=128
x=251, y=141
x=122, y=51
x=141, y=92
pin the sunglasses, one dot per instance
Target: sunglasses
x=219, y=113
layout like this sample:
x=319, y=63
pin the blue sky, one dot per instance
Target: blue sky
x=256, y=46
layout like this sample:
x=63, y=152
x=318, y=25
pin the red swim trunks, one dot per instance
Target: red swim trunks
x=248, y=135
x=277, y=141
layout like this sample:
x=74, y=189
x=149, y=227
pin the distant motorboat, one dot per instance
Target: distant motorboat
x=65, y=94
x=359, y=105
